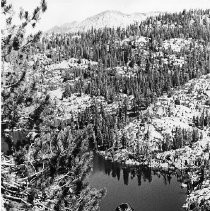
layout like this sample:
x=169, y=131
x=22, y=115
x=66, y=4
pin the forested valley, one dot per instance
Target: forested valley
x=139, y=95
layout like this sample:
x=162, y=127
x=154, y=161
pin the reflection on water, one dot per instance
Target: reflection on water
x=115, y=169
x=143, y=188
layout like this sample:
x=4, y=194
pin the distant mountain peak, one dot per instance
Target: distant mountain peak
x=108, y=18
x=110, y=11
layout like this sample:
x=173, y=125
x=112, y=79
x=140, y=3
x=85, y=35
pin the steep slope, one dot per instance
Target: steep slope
x=109, y=18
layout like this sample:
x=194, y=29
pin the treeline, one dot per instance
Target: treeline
x=107, y=131
x=153, y=70
x=103, y=44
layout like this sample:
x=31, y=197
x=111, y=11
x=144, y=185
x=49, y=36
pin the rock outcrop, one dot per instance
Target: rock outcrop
x=124, y=207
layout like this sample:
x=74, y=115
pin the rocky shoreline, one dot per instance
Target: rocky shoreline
x=196, y=181
x=172, y=133
x=150, y=143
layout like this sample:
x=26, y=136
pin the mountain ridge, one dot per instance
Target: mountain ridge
x=107, y=18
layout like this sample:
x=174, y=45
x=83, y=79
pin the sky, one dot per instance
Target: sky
x=65, y=11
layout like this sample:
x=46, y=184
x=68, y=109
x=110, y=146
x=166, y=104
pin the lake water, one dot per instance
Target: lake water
x=141, y=187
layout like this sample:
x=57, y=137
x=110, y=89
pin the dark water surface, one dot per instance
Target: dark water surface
x=142, y=188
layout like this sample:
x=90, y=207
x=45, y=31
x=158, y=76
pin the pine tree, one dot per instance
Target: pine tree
x=49, y=172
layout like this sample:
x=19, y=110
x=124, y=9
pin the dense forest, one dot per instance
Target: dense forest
x=133, y=67
x=150, y=68
x=155, y=67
